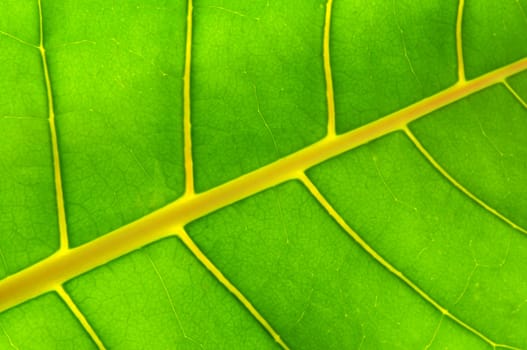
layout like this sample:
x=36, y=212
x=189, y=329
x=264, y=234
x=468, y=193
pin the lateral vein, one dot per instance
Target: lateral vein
x=80, y=316
x=205, y=261
x=459, y=42
x=458, y=185
x=187, y=124
x=330, y=96
x=58, y=268
x=515, y=94
x=61, y=213
x=387, y=265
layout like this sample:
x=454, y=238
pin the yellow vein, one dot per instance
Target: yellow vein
x=61, y=213
x=58, y=268
x=327, y=71
x=362, y=243
x=187, y=125
x=515, y=94
x=80, y=316
x=459, y=186
x=459, y=42
x=189, y=243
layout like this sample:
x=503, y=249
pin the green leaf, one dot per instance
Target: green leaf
x=219, y=174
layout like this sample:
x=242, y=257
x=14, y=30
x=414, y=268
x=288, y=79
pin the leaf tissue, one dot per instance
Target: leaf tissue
x=228, y=174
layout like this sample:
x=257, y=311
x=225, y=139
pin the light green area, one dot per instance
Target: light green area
x=42, y=323
x=310, y=280
x=160, y=297
x=386, y=55
x=258, y=94
x=480, y=141
x=493, y=34
x=464, y=257
x=519, y=83
x=258, y=88
x=116, y=71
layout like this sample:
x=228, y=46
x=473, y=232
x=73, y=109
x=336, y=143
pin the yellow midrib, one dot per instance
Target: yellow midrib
x=66, y=264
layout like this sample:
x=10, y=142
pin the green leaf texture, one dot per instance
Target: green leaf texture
x=228, y=174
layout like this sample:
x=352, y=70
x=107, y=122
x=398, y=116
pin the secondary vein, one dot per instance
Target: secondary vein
x=459, y=186
x=459, y=42
x=80, y=317
x=386, y=264
x=327, y=71
x=187, y=124
x=61, y=213
x=56, y=269
x=515, y=94
x=205, y=261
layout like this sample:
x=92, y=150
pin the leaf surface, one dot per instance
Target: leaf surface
x=225, y=174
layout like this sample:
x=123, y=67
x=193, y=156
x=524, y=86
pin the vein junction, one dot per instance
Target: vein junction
x=204, y=260
x=80, y=317
x=66, y=264
x=515, y=94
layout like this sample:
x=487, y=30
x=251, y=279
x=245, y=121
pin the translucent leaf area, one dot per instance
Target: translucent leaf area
x=227, y=174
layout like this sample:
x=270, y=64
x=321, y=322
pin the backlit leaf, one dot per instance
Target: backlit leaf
x=224, y=174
